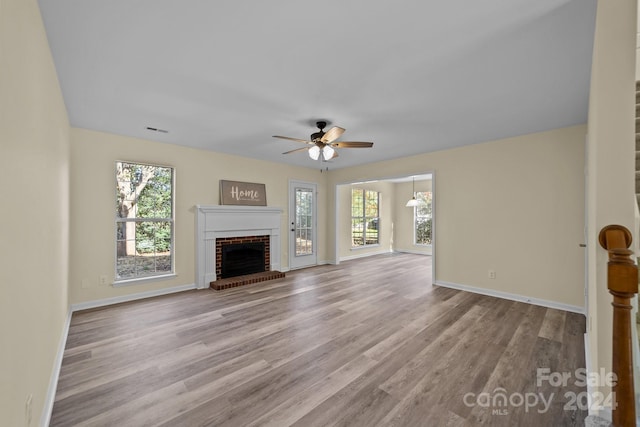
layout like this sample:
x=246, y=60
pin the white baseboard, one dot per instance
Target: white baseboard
x=588, y=367
x=350, y=257
x=411, y=251
x=513, y=297
x=131, y=297
x=321, y=262
x=45, y=418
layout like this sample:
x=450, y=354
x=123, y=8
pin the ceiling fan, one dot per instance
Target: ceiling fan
x=325, y=143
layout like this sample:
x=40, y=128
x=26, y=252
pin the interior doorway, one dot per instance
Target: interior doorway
x=391, y=226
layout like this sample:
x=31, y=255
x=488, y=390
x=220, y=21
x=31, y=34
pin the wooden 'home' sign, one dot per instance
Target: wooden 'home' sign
x=242, y=193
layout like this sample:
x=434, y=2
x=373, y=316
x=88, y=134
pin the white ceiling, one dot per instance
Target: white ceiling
x=411, y=76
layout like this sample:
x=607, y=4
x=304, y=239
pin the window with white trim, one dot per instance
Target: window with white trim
x=422, y=218
x=365, y=219
x=144, y=221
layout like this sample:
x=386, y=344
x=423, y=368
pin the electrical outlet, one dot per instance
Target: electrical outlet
x=28, y=410
x=103, y=280
x=492, y=274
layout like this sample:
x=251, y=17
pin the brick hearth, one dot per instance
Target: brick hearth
x=234, y=282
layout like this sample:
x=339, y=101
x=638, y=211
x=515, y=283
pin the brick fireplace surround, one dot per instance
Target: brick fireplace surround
x=233, y=282
x=222, y=241
x=233, y=223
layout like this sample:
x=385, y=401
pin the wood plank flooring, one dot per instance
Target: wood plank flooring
x=366, y=343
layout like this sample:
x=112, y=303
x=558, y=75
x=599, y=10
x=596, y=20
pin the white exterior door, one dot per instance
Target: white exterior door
x=302, y=224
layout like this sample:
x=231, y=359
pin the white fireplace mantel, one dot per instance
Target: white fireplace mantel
x=217, y=221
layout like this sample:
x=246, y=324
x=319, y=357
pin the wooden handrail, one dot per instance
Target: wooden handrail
x=622, y=281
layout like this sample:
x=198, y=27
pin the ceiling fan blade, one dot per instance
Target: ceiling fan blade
x=332, y=134
x=304, y=141
x=352, y=144
x=297, y=149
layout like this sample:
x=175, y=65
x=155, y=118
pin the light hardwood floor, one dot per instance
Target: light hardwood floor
x=368, y=342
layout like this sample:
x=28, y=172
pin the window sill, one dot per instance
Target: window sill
x=141, y=280
x=358, y=248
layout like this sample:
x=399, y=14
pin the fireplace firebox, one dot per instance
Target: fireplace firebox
x=242, y=258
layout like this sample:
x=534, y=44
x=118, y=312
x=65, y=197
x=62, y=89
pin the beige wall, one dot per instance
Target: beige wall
x=515, y=206
x=34, y=141
x=93, y=157
x=403, y=218
x=611, y=157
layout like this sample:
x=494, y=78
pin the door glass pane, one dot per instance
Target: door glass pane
x=304, y=221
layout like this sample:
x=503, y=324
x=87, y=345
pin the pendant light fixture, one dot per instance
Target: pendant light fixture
x=413, y=202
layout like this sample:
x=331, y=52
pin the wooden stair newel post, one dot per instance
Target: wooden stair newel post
x=622, y=282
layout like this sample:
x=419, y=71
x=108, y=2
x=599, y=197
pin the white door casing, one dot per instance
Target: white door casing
x=302, y=224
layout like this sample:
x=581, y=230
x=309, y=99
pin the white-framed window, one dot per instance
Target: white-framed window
x=365, y=217
x=422, y=218
x=144, y=221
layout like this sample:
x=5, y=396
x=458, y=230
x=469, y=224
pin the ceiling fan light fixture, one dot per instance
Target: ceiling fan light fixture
x=324, y=143
x=314, y=152
x=328, y=152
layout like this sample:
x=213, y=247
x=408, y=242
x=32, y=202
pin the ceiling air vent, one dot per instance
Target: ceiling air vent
x=157, y=130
